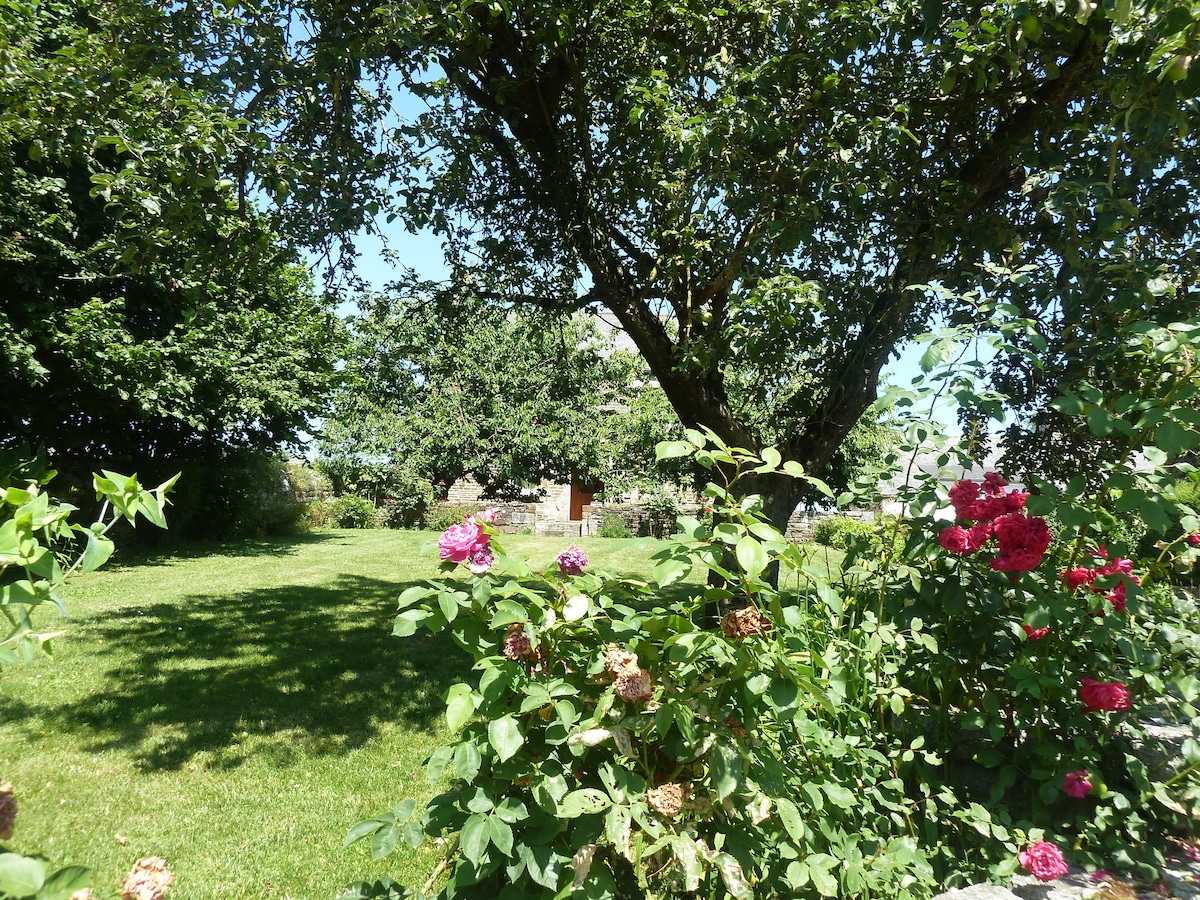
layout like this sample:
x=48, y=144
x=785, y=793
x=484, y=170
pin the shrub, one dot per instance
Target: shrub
x=662, y=511
x=613, y=740
x=613, y=526
x=352, y=511
x=407, y=500
x=840, y=532
x=441, y=516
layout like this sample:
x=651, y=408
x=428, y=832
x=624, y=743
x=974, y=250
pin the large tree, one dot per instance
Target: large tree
x=760, y=192
x=150, y=315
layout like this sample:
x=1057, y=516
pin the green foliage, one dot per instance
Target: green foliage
x=154, y=318
x=455, y=386
x=407, y=501
x=352, y=511
x=236, y=493
x=36, y=537
x=441, y=516
x=662, y=509
x=612, y=526
x=770, y=198
x=877, y=733
x=841, y=531
x=614, y=742
x=36, y=533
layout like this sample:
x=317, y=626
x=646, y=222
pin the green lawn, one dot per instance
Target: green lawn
x=235, y=709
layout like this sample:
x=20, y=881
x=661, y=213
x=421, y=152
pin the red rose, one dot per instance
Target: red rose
x=1044, y=861
x=1104, y=695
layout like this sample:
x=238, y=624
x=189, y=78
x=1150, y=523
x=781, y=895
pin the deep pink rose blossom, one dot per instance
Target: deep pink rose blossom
x=1194, y=539
x=460, y=543
x=1044, y=861
x=1104, y=695
x=487, y=516
x=1076, y=784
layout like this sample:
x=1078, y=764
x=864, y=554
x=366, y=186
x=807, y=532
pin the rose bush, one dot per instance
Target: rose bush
x=954, y=701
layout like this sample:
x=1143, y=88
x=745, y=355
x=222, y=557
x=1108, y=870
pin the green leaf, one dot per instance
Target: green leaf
x=507, y=612
x=21, y=876
x=474, y=838
x=1101, y=421
x=670, y=571
x=1068, y=404
x=449, y=604
x=96, y=554
x=384, y=840
x=414, y=833
x=839, y=795
x=504, y=734
x=460, y=706
x=792, y=821
x=751, y=556
x=1175, y=438
x=672, y=449
x=726, y=768
x=467, y=760
x=582, y=802
x=66, y=881
x=361, y=830
x=407, y=622
x=500, y=833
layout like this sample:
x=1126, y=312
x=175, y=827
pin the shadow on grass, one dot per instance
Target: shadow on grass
x=276, y=671
x=133, y=555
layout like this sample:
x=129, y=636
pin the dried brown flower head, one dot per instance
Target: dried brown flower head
x=147, y=880
x=748, y=620
x=668, y=799
x=516, y=642
x=8, y=810
x=634, y=685
x=617, y=659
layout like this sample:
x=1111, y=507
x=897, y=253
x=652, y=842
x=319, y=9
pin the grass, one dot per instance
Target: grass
x=234, y=709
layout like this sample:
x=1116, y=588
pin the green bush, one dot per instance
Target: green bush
x=947, y=703
x=352, y=511
x=613, y=526
x=662, y=512
x=840, y=532
x=407, y=500
x=441, y=516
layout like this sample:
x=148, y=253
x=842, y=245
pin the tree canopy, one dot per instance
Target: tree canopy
x=150, y=314
x=768, y=196
x=505, y=396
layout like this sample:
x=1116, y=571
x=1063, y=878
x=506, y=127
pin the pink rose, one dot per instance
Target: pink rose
x=1076, y=784
x=459, y=542
x=1044, y=861
x=487, y=516
x=1035, y=634
x=1104, y=695
x=1194, y=539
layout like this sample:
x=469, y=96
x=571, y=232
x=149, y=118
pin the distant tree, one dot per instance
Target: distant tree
x=506, y=396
